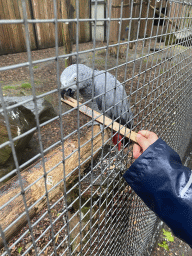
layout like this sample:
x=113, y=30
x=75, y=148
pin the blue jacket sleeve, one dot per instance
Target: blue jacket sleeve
x=161, y=181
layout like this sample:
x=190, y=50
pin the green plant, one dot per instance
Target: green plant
x=9, y=87
x=19, y=250
x=164, y=245
x=35, y=67
x=168, y=236
x=26, y=85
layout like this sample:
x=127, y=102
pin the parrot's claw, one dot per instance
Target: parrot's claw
x=96, y=123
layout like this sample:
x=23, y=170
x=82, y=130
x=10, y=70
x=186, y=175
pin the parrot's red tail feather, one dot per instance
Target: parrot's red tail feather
x=117, y=140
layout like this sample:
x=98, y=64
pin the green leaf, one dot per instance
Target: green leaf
x=168, y=235
x=164, y=245
x=19, y=250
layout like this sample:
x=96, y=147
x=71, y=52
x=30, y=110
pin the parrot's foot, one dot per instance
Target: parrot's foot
x=117, y=138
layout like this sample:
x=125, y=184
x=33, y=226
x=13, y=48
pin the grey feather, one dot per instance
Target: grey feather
x=109, y=93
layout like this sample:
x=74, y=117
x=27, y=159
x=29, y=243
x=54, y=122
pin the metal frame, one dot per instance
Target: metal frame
x=124, y=224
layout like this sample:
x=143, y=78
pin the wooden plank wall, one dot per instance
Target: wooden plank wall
x=42, y=35
x=114, y=25
x=115, y=13
x=12, y=36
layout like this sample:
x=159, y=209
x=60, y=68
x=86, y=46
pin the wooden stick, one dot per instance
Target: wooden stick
x=100, y=118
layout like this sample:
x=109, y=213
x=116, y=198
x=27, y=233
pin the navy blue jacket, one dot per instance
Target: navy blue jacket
x=165, y=185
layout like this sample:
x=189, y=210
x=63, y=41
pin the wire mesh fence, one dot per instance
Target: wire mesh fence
x=62, y=190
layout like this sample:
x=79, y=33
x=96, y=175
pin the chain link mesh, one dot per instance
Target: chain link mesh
x=63, y=199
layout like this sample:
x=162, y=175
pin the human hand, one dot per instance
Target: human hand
x=144, y=139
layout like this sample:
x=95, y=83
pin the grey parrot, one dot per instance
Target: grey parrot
x=109, y=94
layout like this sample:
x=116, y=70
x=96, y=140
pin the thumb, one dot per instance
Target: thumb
x=142, y=141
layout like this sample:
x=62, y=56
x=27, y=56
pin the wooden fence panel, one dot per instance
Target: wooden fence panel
x=113, y=36
x=114, y=25
x=6, y=29
x=31, y=27
x=84, y=27
x=68, y=30
x=42, y=35
x=45, y=32
x=14, y=30
x=4, y=36
x=12, y=36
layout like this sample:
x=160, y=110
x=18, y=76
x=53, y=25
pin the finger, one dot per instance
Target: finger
x=145, y=133
x=137, y=151
x=153, y=137
x=142, y=141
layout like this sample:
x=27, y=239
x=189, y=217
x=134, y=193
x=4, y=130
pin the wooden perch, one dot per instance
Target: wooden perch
x=163, y=16
x=16, y=208
x=100, y=118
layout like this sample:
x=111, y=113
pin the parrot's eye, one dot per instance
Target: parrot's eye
x=75, y=78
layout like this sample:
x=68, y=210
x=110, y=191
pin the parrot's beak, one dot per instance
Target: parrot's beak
x=68, y=92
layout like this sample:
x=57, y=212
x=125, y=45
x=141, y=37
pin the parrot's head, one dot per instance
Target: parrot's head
x=69, y=83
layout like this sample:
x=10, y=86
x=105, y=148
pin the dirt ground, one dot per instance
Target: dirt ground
x=137, y=73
